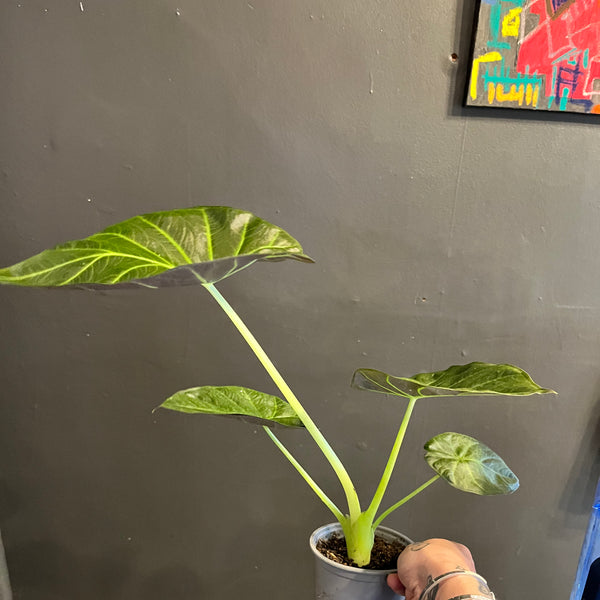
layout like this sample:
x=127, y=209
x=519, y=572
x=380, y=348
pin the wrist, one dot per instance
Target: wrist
x=463, y=585
x=457, y=585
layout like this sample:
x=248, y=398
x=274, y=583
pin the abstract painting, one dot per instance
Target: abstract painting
x=537, y=55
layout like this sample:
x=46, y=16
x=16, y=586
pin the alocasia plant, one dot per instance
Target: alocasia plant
x=207, y=244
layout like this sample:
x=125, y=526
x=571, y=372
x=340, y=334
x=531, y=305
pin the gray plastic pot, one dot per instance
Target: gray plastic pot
x=334, y=581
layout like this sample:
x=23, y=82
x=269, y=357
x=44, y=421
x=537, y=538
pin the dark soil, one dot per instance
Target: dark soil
x=383, y=556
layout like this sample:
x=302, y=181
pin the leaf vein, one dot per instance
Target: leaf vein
x=242, y=238
x=169, y=238
x=168, y=264
x=82, y=270
x=209, y=244
x=76, y=260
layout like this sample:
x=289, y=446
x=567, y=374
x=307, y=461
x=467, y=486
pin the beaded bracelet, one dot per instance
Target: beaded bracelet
x=435, y=582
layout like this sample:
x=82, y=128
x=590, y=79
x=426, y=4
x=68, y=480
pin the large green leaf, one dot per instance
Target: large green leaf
x=476, y=378
x=245, y=403
x=469, y=465
x=175, y=247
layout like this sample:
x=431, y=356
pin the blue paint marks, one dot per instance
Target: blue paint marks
x=557, y=4
x=552, y=97
x=564, y=81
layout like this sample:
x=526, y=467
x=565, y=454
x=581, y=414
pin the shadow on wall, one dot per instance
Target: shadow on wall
x=578, y=495
x=5, y=591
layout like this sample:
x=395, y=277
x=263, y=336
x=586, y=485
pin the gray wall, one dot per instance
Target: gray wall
x=441, y=236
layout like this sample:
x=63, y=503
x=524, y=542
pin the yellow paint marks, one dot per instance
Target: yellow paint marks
x=513, y=94
x=489, y=57
x=527, y=94
x=511, y=23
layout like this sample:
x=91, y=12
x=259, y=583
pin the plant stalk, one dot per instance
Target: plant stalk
x=404, y=500
x=313, y=430
x=337, y=513
x=389, y=468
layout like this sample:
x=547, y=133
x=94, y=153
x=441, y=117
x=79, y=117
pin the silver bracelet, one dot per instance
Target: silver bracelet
x=472, y=597
x=435, y=582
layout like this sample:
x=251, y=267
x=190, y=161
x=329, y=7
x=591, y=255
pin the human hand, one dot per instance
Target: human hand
x=420, y=563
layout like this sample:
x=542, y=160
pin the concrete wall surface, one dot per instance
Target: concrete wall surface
x=441, y=235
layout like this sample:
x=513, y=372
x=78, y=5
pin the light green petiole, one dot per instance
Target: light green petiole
x=313, y=430
x=311, y=482
x=389, y=468
x=404, y=500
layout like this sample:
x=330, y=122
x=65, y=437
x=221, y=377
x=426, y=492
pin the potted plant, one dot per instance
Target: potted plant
x=205, y=245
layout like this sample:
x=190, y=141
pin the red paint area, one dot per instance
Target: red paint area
x=576, y=29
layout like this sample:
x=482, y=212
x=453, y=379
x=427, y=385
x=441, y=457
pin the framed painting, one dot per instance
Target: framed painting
x=537, y=55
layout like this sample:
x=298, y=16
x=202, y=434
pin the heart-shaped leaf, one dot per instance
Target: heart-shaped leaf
x=476, y=378
x=469, y=465
x=176, y=247
x=247, y=404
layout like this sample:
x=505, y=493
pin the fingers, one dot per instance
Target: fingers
x=394, y=582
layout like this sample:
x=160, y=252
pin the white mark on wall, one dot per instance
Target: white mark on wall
x=576, y=307
x=250, y=6
x=81, y=7
x=371, y=88
x=457, y=187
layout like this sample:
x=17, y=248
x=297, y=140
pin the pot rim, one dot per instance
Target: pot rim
x=336, y=527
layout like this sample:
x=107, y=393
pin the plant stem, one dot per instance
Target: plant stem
x=334, y=461
x=311, y=482
x=391, y=509
x=389, y=468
